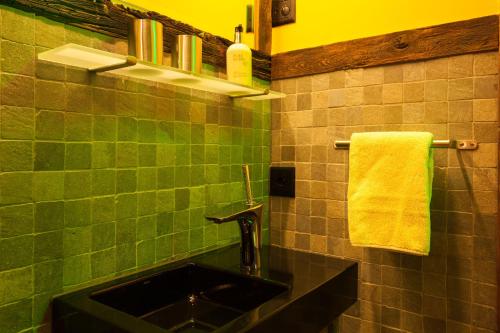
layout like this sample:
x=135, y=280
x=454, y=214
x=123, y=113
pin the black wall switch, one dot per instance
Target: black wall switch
x=282, y=182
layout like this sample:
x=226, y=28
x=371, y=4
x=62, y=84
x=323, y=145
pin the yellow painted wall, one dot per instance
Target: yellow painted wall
x=321, y=22
x=219, y=17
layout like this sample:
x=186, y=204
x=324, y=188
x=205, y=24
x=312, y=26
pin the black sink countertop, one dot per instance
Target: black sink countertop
x=320, y=288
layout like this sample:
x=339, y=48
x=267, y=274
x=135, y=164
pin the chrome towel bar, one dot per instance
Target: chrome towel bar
x=454, y=144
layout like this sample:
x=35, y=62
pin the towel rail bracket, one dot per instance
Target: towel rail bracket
x=455, y=144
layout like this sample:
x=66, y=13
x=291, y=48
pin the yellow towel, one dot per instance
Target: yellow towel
x=390, y=188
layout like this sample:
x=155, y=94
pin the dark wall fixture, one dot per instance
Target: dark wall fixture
x=282, y=182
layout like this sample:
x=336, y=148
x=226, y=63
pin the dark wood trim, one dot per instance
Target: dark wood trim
x=498, y=212
x=112, y=20
x=479, y=34
x=263, y=25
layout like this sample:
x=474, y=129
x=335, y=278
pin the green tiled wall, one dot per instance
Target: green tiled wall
x=101, y=175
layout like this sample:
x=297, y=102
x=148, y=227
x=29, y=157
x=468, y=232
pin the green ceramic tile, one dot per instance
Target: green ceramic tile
x=147, y=154
x=212, y=174
x=224, y=154
x=165, y=200
x=164, y=247
x=146, y=203
x=164, y=223
x=225, y=135
x=125, y=256
x=17, y=90
x=146, y=227
x=16, y=220
x=103, y=263
x=103, y=209
x=146, y=179
x=103, y=182
x=181, y=242
x=18, y=26
x=104, y=128
x=236, y=155
x=211, y=134
x=48, y=276
x=228, y=231
x=42, y=310
x=165, y=177
x=165, y=132
x=224, y=174
x=49, y=125
x=146, y=252
x=48, y=185
x=17, y=123
x=236, y=173
x=49, y=33
x=49, y=156
x=77, y=184
x=146, y=106
x=126, y=102
x=182, y=108
x=15, y=285
x=146, y=130
x=48, y=246
x=197, y=197
x=210, y=234
x=211, y=154
x=182, y=197
x=104, y=154
x=77, y=241
x=197, y=154
x=126, y=231
x=16, y=187
x=16, y=317
x=127, y=129
x=236, y=136
x=126, y=180
x=103, y=236
x=197, y=218
x=237, y=192
x=78, y=156
x=77, y=213
x=77, y=127
x=76, y=270
x=197, y=134
x=182, y=133
x=126, y=155
x=196, y=237
x=16, y=156
x=78, y=96
x=165, y=155
x=181, y=220
x=182, y=176
x=50, y=95
x=198, y=175
x=103, y=101
x=126, y=206
x=182, y=155
x=49, y=216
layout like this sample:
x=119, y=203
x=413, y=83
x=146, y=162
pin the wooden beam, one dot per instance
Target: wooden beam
x=263, y=25
x=104, y=17
x=479, y=34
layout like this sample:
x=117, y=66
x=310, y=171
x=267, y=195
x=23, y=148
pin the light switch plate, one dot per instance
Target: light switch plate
x=284, y=12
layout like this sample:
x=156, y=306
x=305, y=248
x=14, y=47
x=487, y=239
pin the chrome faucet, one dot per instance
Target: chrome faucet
x=249, y=218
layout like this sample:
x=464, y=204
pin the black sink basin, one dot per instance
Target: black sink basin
x=191, y=298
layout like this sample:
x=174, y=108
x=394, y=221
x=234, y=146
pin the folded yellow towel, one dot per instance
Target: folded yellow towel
x=390, y=188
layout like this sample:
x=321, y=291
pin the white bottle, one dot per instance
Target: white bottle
x=239, y=60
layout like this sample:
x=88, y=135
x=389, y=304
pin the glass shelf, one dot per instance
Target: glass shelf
x=101, y=61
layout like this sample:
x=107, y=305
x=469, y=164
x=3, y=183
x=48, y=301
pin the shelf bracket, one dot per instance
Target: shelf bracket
x=265, y=92
x=129, y=61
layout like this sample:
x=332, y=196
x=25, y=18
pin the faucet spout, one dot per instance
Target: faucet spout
x=249, y=220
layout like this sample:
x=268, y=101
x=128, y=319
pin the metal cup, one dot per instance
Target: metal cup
x=145, y=40
x=186, y=54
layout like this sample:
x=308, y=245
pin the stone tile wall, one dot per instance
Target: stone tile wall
x=454, y=288
x=102, y=175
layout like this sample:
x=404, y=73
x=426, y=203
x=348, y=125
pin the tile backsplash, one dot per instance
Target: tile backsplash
x=101, y=175
x=454, y=288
